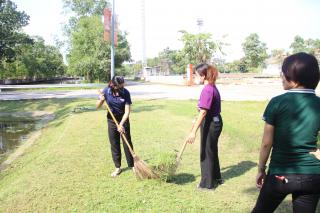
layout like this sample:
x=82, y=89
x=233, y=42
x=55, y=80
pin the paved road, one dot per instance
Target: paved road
x=256, y=90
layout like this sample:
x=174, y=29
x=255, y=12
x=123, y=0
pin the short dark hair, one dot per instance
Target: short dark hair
x=302, y=68
x=200, y=68
x=115, y=82
x=209, y=71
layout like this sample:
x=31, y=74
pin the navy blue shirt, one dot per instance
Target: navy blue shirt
x=117, y=102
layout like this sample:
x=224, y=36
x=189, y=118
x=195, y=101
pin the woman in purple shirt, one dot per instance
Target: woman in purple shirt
x=210, y=121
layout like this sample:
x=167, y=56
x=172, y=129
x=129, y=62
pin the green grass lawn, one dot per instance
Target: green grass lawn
x=68, y=168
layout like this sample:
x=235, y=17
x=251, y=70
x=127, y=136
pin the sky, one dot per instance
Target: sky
x=276, y=22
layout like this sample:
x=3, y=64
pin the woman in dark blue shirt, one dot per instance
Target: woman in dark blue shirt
x=119, y=100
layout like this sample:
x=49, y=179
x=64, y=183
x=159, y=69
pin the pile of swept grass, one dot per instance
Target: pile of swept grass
x=164, y=164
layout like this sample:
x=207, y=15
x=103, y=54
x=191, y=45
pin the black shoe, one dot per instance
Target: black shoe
x=204, y=189
x=220, y=181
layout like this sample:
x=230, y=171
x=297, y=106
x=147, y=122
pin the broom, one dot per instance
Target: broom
x=178, y=159
x=169, y=168
x=142, y=170
x=172, y=168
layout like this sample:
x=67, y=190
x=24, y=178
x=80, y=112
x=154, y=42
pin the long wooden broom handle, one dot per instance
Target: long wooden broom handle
x=182, y=150
x=183, y=147
x=117, y=124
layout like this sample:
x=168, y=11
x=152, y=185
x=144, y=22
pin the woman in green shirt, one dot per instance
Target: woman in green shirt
x=292, y=123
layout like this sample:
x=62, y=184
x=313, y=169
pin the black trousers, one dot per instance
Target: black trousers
x=114, y=138
x=209, y=159
x=305, y=190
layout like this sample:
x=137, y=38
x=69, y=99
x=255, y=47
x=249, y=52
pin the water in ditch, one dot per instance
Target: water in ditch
x=13, y=133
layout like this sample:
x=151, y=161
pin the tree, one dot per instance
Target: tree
x=299, y=45
x=315, y=48
x=11, y=22
x=137, y=69
x=90, y=55
x=198, y=48
x=220, y=64
x=152, y=62
x=122, y=49
x=41, y=60
x=278, y=55
x=126, y=70
x=255, y=51
x=86, y=7
x=173, y=61
x=311, y=46
x=34, y=61
x=82, y=8
x=237, y=66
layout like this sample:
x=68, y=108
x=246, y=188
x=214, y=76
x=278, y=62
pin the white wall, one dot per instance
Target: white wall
x=272, y=69
x=171, y=79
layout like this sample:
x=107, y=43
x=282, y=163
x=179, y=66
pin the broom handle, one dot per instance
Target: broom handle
x=182, y=150
x=183, y=147
x=122, y=134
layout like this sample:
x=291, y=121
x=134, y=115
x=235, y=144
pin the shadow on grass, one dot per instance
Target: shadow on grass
x=181, y=179
x=236, y=170
x=252, y=189
x=146, y=108
x=62, y=107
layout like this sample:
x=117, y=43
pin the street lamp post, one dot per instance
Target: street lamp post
x=200, y=24
x=143, y=33
x=112, y=38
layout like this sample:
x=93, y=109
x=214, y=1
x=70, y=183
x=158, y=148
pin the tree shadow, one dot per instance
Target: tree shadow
x=181, y=179
x=62, y=112
x=237, y=170
x=126, y=169
x=145, y=108
x=84, y=108
x=251, y=190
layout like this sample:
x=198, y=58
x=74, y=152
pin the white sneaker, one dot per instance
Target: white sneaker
x=116, y=172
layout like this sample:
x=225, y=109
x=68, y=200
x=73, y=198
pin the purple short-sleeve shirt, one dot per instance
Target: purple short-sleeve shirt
x=210, y=99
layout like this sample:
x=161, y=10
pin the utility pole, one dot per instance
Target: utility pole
x=143, y=32
x=200, y=24
x=112, y=38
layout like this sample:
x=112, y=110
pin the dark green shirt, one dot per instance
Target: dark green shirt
x=295, y=116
